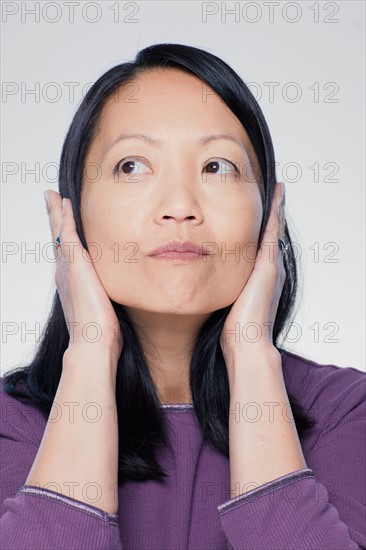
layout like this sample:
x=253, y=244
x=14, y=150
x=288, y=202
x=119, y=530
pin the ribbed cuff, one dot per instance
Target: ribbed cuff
x=265, y=489
x=69, y=501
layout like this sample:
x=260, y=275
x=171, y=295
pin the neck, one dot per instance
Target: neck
x=168, y=341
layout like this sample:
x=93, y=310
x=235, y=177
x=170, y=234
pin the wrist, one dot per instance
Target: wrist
x=90, y=357
x=257, y=361
x=252, y=354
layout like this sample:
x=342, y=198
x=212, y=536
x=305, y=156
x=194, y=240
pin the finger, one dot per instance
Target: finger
x=54, y=211
x=68, y=225
x=270, y=249
x=275, y=226
x=69, y=235
x=282, y=217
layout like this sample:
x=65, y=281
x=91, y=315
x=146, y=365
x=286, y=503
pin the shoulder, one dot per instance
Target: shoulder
x=334, y=448
x=325, y=389
x=304, y=372
x=19, y=419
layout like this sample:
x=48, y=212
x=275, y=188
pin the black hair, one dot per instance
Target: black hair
x=144, y=426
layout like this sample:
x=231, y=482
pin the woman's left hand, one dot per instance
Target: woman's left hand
x=255, y=373
x=253, y=313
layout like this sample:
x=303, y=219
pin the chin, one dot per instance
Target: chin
x=174, y=308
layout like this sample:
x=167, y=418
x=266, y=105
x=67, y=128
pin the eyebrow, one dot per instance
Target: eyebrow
x=203, y=140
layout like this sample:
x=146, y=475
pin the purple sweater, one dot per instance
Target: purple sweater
x=319, y=507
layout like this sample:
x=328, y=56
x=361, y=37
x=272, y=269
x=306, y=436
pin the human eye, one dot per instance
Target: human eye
x=215, y=163
x=125, y=166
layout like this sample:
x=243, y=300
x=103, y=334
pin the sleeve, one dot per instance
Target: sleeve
x=320, y=507
x=35, y=517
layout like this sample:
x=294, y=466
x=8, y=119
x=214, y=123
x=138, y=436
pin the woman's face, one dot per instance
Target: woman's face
x=180, y=189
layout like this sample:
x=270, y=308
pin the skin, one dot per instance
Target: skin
x=169, y=193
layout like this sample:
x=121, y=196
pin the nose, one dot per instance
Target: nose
x=179, y=201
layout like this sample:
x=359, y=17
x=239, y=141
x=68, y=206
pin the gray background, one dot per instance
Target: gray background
x=311, y=54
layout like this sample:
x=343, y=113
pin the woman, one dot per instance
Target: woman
x=174, y=418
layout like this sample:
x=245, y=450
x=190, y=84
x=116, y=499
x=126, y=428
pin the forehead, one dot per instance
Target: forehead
x=167, y=99
x=170, y=105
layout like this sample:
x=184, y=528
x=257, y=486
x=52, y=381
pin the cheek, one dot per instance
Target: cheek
x=111, y=245
x=239, y=227
x=130, y=279
x=237, y=250
x=103, y=222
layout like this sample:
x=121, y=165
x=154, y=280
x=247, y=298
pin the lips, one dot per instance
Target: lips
x=178, y=246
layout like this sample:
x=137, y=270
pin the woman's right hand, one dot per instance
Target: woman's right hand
x=91, y=320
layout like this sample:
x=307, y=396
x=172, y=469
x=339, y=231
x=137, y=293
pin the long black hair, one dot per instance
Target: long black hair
x=144, y=425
